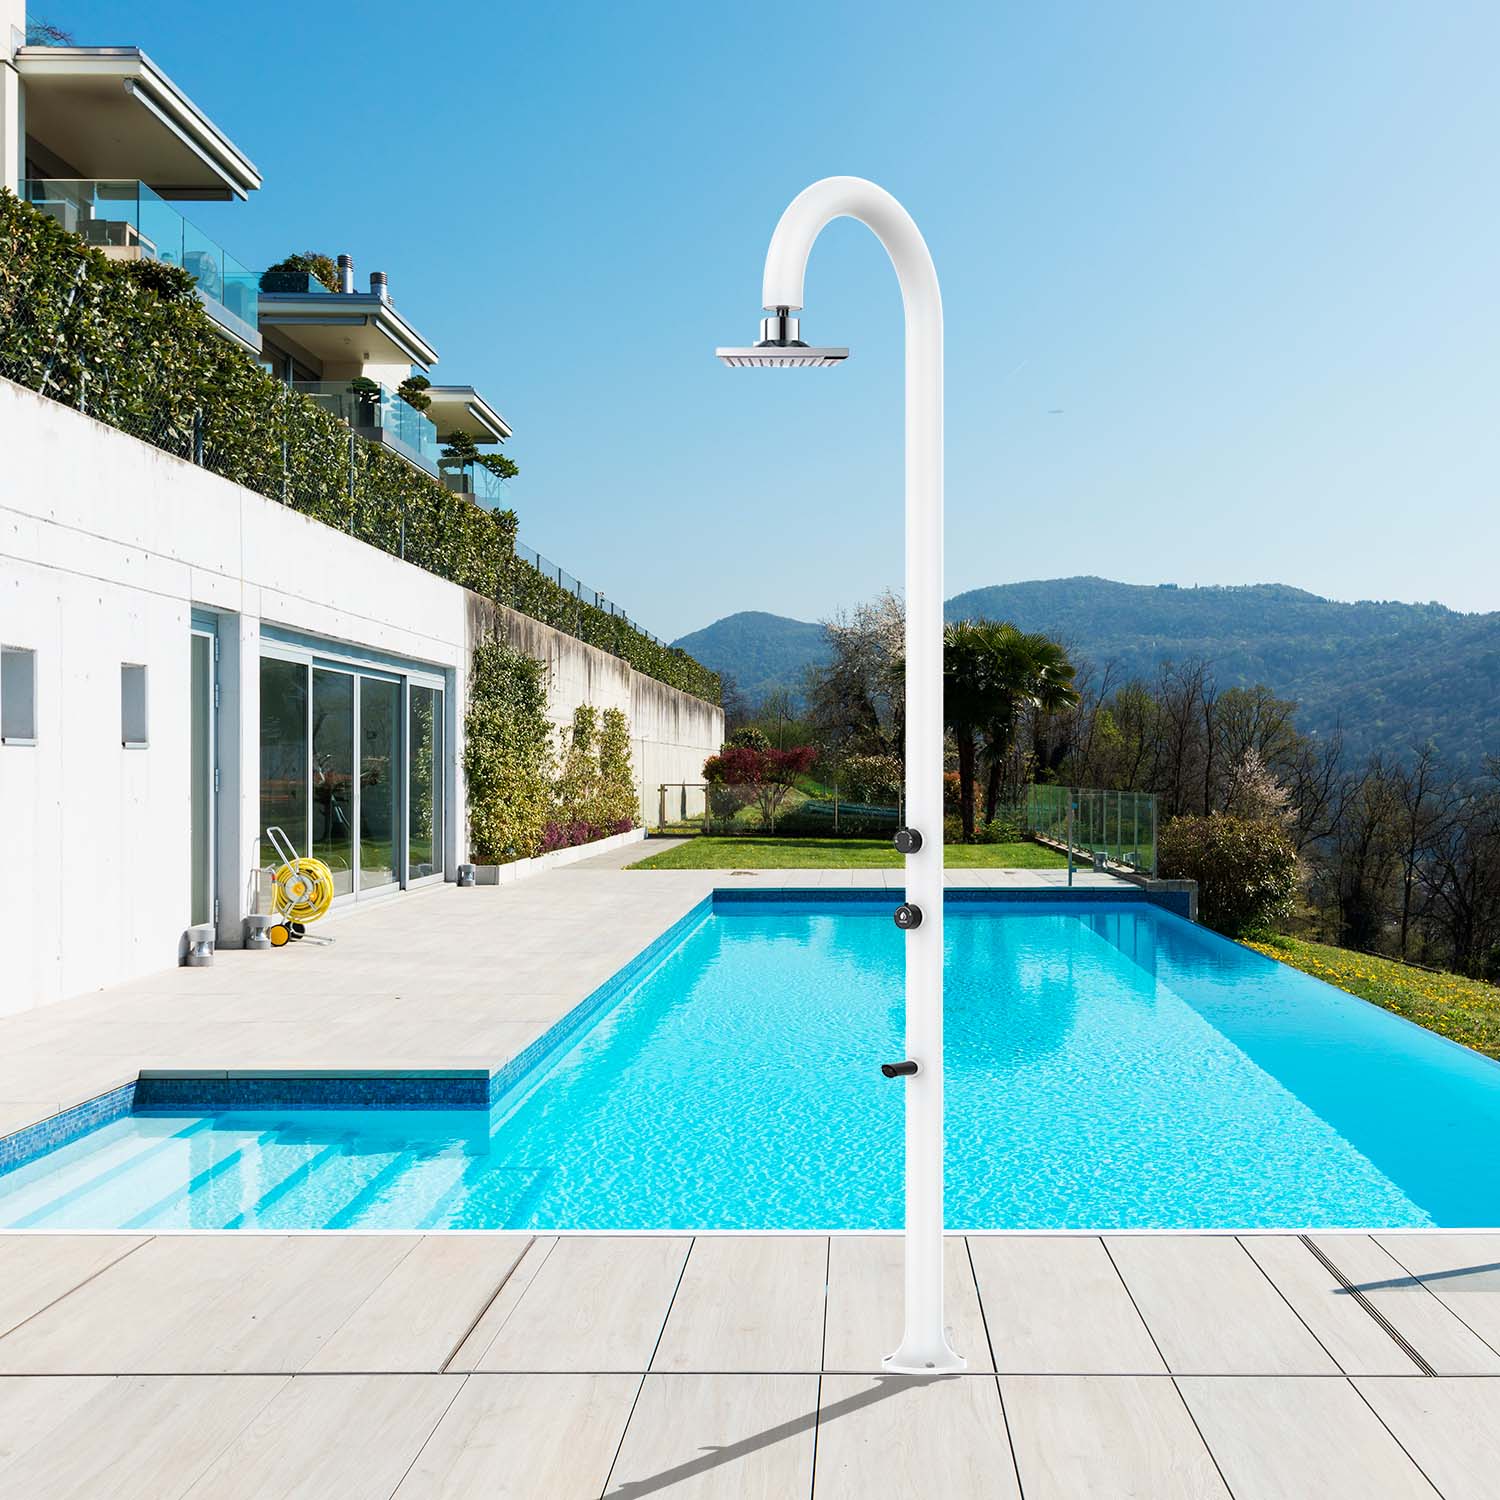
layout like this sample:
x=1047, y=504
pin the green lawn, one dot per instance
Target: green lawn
x=709, y=853
x=1466, y=1010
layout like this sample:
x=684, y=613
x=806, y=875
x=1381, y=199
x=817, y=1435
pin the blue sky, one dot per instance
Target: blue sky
x=1220, y=280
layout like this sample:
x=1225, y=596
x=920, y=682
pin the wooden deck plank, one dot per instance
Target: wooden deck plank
x=748, y=1303
x=1210, y=1309
x=1451, y=1428
x=331, y=1437
x=1275, y=1438
x=482, y=1335
x=35, y=1270
x=1058, y=1306
x=1356, y=1341
x=140, y=1438
x=1423, y=1320
x=1106, y=1436
x=895, y=1437
x=719, y=1437
x=32, y=1407
x=1461, y=1270
x=419, y=1315
x=522, y=1437
x=865, y=1294
x=213, y=1305
x=595, y=1305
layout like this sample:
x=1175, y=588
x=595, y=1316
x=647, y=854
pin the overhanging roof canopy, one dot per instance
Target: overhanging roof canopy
x=460, y=408
x=110, y=112
x=339, y=326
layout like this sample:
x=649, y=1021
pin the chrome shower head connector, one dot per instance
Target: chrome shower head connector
x=781, y=346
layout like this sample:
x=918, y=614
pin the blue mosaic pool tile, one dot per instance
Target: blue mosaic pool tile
x=214, y=1095
x=57, y=1130
x=562, y=1031
x=1177, y=902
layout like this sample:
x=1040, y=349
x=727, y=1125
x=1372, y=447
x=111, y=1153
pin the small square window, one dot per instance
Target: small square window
x=132, y=706
x=17, y=695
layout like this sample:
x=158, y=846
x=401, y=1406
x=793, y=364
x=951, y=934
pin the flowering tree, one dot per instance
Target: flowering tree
x=761, y=776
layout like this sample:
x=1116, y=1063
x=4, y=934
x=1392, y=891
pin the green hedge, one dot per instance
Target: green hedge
x=125, y=345
x=1246, y=871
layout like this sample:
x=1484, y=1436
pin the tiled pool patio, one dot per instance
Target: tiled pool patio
x=504, y=1365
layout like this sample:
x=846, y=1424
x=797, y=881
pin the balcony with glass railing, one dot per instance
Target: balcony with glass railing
x=476, y=483
x=379, y=415
x=128, y=221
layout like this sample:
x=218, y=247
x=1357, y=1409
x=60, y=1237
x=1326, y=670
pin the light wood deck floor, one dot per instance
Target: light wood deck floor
x=1263, y=1368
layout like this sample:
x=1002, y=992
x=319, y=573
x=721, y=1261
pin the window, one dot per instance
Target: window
x=132, y=706
x=17, y=695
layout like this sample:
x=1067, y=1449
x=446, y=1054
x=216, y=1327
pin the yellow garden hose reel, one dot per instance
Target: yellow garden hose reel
x=301, y=890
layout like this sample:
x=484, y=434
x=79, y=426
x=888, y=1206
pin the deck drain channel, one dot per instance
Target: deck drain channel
x=1390, y=1328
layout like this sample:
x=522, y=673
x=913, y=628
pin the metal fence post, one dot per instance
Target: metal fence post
x=83, y=400
x=198, y=436
x=661, y=805
x=1071, y=804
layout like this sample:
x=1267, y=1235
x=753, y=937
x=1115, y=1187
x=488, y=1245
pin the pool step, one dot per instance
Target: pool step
x=55, y=1192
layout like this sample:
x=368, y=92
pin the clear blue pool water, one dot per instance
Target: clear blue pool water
x=1110, y=1066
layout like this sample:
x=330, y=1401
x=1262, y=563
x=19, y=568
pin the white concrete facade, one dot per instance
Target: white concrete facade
x=109, y=551
x=12, y=111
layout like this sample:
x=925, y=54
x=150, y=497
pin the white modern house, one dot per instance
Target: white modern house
x=185, y=662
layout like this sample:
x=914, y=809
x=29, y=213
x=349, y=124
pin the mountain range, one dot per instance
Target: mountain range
x=1390, y=675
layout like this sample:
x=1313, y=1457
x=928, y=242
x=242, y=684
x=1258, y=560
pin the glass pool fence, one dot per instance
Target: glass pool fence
x=1117, y=828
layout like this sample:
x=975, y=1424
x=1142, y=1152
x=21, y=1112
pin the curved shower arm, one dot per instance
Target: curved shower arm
x=814, y=208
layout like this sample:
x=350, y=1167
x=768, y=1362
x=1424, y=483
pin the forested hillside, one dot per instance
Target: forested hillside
x=1390, y=674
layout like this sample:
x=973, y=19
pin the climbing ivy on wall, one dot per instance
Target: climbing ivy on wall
x=507, y=754
x=594, y=793
x=533, y=789
x=133, y=352
x=617, y=798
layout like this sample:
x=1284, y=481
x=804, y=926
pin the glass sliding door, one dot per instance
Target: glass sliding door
x=381, y=782
x=283, y=752
x=352, y=763
x=201, y=776
x=424, y=749
x=333, y=775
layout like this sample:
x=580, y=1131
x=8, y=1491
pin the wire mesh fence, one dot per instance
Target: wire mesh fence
x=1118, y=826
x=580, y=590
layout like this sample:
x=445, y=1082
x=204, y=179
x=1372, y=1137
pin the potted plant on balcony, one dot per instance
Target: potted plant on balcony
x=298, y=272
x=413, y=391
x=462, y=456
x=367, y=395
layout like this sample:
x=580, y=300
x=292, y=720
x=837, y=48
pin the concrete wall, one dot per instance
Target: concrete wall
x=107, y=548
x=671, y=732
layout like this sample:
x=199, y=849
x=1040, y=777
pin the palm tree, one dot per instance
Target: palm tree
x=971, y=700
x=992, y=674
x=1033, y=673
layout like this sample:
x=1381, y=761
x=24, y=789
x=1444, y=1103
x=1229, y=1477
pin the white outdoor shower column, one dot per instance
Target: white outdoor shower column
x=924, y=1344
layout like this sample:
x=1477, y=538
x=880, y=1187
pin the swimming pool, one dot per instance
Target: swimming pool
x=1110, y=1065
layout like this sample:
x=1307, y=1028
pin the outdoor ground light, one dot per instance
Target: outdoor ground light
x=924, y=1347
